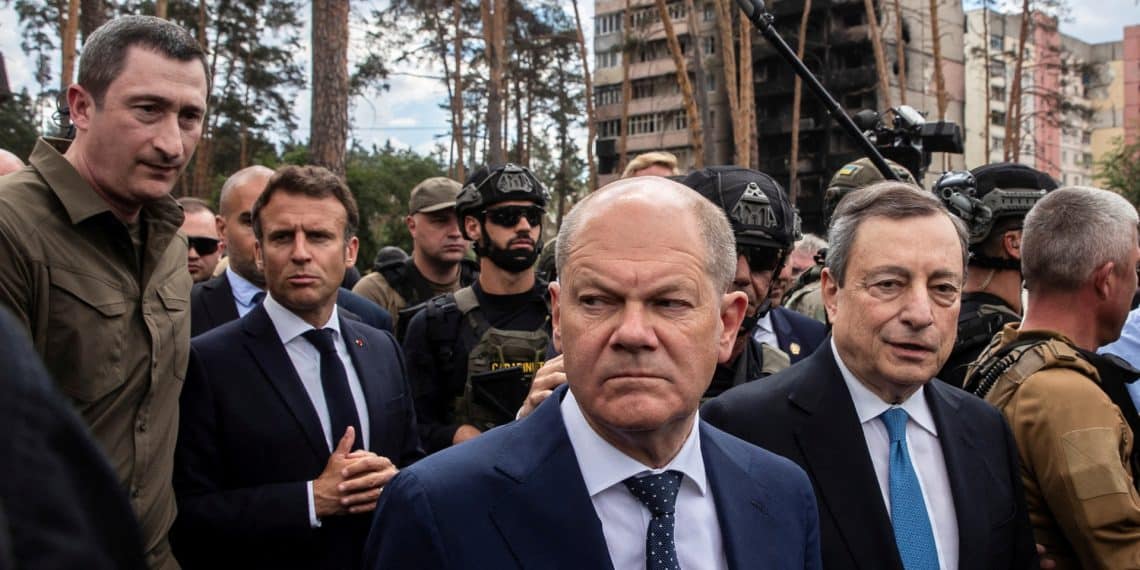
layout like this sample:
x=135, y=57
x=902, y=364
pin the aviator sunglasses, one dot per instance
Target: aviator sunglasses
x=508, y=216
x=203, y=245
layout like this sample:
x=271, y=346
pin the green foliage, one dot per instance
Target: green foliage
x=382, y=179
x=18, y=129
x=1119, y=170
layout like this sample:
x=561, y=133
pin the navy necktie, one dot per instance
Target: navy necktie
x=913, y=533
x=659, y=494
x=334, y=382
x=258, y=297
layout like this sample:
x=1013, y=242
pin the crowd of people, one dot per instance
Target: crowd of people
x=682, y=380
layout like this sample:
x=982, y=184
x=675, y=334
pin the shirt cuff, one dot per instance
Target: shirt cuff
x=314, y=522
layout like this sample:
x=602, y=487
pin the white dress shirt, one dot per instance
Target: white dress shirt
x=243, y=291
x=925, y=451
x=306, y=361
x=764, y=332
x=625, y=520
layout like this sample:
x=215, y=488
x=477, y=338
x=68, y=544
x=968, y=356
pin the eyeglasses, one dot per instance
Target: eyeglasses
x=508, y=216
x=760, y=259
x=203, y=245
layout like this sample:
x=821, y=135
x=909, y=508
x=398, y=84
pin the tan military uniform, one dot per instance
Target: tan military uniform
x=808, y=301
x=376, y=288
x=1075, y=447
x=111, y=320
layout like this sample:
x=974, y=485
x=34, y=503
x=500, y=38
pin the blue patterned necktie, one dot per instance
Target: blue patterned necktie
x=913, y=534
x=334, y=382
x=659, y=494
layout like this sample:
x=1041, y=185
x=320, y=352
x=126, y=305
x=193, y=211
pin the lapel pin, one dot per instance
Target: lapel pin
x=795, y=348
x=360, y=342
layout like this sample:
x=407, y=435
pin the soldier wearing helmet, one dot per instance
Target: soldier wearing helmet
x=804, y=296
x=993, y=200
x=472, y=354
x=766, y=227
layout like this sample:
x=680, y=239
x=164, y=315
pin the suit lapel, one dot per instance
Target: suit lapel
x=836, y=458
x=549, y=501
x=965, y=468
x=741, y=506
x=369, y=369
x=220, y=304
x=266, y=349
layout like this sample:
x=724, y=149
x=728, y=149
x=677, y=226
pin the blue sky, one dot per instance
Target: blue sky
x=408, y=114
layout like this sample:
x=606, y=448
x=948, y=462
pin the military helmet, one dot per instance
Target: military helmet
x=855, y=175
x=756, y=205
x=990, y=193
x=490, y=185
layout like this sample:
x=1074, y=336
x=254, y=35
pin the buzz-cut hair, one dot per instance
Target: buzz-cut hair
x=1071, y=232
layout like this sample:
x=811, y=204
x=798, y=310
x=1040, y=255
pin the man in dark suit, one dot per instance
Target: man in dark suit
x=616, y=470
x=293, y=418
x=797, y=335
x=61, y=504
x=909, y=473
x=242, y=285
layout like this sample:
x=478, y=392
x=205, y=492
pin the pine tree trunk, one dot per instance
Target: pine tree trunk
x=160, y=9
x=1013, y=109
x=329, y=125
x=493, y=39
x=69, y=27
x=592, y=132
x=726, y=31
x=939, y=77
x=900, y=52
x=880, y=58
x=457, y=99
x=695, y=134
x=747, y=95
x=797, y=97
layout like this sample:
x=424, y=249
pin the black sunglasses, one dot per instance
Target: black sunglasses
x=203, y=245
x=508, y=216
x=760, y=259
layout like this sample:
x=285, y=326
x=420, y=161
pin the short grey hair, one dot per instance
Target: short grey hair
x=1071, y=232
x=810, y=244
x=890, y=199
x=713, y=225
x=105, y=52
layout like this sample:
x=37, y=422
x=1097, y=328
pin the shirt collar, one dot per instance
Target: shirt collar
x=604, y=466
x=289, y=326
x=243, y=289
x=79, y=199
x=765, y=323
x=869, y=406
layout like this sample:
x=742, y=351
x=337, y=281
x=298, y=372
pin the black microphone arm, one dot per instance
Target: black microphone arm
x=754, y=10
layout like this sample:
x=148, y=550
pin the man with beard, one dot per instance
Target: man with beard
x=471, y=354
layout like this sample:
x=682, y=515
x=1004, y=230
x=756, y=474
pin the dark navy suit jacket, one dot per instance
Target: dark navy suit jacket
x=514, y=497
x=798, y=335
x=212, y=305
x=249, y=441
x=806, y=414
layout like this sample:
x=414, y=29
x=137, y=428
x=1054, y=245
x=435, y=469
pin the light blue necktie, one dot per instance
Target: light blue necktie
x=913, y=535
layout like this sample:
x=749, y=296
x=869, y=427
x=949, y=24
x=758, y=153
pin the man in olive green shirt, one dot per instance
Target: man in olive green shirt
x=93, y=264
